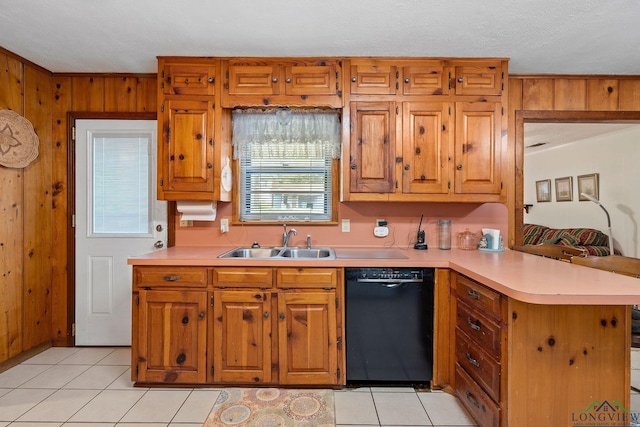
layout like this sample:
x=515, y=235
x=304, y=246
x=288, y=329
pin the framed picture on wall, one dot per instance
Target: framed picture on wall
x=543, y=190
x=564, y=189
x=588, y=184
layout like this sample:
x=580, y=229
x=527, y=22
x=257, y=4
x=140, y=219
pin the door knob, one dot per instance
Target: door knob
x=159, y=244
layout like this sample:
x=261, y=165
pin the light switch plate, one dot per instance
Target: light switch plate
x=346, y=225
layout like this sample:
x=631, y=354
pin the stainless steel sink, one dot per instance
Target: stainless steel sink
x=308, y=253
x=280, y=253
x=251, y=253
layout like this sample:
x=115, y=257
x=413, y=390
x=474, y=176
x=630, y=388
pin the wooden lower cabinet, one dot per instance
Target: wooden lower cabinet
x=242, y=337
x=171, y=336
x=307, y=338
x=256, y=325
x=522, y=364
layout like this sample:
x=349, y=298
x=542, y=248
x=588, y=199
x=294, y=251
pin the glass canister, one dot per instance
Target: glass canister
x=444, y=234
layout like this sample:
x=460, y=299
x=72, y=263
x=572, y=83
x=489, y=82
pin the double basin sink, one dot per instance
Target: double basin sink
x=280, y=253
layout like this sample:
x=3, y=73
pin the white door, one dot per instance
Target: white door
x=117, y=216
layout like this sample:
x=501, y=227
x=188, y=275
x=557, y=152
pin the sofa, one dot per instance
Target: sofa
x=594, y=242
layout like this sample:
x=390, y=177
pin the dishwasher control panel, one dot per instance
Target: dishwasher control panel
x=385, y=273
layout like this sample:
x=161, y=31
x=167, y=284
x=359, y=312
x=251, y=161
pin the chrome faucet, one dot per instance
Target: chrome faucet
x=287, y=235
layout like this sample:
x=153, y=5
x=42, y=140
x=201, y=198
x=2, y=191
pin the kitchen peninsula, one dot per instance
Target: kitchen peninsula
x=552, y=337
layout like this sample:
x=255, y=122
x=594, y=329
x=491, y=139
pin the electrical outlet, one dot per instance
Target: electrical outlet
x=224, y=225
x=186, y=223
x=346, y=225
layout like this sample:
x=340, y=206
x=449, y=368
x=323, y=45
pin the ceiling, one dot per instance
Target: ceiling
x=544, y=136
x=124, y=36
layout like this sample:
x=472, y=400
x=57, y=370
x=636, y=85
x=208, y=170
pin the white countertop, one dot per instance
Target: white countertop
x=524, y=277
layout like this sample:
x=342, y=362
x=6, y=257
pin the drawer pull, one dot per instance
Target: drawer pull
x=473, y=361
x=473, y=325
x=472, y=399
x=473, y=294
x=171, y=278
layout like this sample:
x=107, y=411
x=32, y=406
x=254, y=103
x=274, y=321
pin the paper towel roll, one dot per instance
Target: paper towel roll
x=197, y=210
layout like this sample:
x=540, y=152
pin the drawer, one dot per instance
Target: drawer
x=486, y=332
x=477, y=402
x=478, y=296
x=234, y=277
x=484, y=369
x=325, y=278
x=154, y=277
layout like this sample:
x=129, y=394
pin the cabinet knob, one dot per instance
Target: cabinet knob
x=460, y=79
x=266, y=315
x=211, y=80
x=406, y=80
x=407, y=167
x=171, y=278
x=275, y=80
x=353, y=166
x=201, y=315
x=459, y=167
x=186, y=81
x=159, y=244
x=288, y=80
x=209, y=166
x=354, y=79
x=281, y=316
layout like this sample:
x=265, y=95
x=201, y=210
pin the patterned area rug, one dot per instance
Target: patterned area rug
x=272, y=407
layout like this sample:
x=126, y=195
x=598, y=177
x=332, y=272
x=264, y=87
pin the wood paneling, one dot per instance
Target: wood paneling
x=11, y=223
x=570, y=94
x=38, y=216
x=62, y=311
x=36, y=274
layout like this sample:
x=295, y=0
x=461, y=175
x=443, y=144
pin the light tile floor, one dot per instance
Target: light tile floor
x=90, y=387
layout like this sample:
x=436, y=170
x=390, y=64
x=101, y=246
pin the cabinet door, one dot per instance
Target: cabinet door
x=424, y=79
x=188, y=79
x=478, y=148
x=307, y=344
x=311, y=80
x=172, y=335
x=241, y=337
x=373, y=78
x=186, y=154
x=373, y=129
x=253, y=79
x=478, y=79
x=426, y=147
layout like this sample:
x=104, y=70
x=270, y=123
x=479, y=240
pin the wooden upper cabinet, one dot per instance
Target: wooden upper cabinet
x=372, y=77
x=398, y=77
x=371, y=161
x=426, y=147
x=247, y=79
x=478, y=78
x=428, y=78
x=287, y=82
x=185, y=157
x=478, y=150
x=184, y=78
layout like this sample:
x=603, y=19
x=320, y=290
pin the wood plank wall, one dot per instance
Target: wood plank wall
x=35, y=298
x=554, y=93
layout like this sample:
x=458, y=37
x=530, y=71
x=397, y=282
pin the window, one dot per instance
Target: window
x=286, y=163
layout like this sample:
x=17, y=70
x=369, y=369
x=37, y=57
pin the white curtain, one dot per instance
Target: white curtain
x=281, y=132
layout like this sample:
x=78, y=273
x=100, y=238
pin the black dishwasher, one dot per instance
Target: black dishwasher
x=389, y=325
